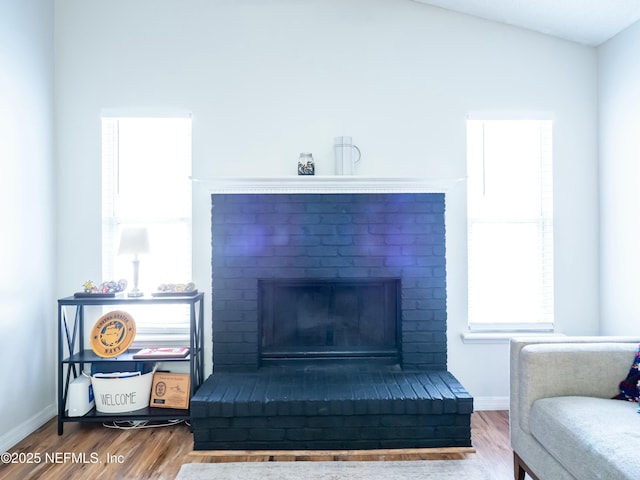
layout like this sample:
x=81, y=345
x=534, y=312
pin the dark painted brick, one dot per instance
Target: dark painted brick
x=305, y=219
x=303, y=434
x=267, y=434
x=291, y=235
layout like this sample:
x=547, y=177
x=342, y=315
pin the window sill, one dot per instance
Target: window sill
x=503, y=337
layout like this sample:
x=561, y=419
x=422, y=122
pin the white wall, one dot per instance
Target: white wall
x=267, y=80
x=619, y=107
x=27, y=176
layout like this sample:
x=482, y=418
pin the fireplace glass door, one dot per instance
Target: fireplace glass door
x=322, y=319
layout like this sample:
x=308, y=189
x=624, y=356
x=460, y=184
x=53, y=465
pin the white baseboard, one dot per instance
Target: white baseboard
x=27, y=427
x=491, y=403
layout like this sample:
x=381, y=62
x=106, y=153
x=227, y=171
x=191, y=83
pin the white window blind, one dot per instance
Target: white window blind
x=146, y=183
x=510, y=225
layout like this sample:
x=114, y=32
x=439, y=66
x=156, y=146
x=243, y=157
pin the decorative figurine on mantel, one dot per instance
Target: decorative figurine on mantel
x=306, y=165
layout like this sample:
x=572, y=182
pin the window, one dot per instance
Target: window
x=146, y=183
x=510, y=225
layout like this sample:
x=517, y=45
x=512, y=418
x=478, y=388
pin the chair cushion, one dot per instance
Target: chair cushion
x=594, y=438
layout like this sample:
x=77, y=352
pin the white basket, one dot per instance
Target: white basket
x=121, y=391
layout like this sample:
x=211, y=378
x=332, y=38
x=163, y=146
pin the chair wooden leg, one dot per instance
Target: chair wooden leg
x=520, y=469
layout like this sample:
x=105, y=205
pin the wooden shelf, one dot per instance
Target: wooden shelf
x=147, y=413
x=88, y=356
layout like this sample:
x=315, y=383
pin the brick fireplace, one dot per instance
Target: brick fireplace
x=329, y=308
x=324, y=237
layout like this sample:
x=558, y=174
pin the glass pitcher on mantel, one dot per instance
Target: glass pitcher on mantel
x=347, y=155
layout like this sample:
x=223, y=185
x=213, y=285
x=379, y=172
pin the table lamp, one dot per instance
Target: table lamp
x=134, y=241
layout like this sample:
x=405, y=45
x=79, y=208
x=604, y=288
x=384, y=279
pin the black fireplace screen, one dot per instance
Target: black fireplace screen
x=307, y=318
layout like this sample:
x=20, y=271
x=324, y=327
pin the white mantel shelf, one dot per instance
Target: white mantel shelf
x=327, y=184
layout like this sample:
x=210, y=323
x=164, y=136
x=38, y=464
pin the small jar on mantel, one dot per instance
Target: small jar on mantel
x=306, y=165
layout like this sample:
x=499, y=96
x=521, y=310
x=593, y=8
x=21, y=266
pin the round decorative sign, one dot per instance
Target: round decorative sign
x=112, y=334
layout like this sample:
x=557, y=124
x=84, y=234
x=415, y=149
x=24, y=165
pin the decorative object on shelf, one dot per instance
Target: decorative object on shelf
x=346, y=154
x=176, y=290
x=80, y=396
x=112, y=334
x=162, y=352
x=306, y=165
x=104, y=290
x=170, y=390
x=134, y=241
x=121, y=392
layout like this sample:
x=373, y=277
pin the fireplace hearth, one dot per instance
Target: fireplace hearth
x=329, y=309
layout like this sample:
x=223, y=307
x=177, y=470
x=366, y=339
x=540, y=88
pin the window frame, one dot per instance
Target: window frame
x=165, y=329
x=544, y=225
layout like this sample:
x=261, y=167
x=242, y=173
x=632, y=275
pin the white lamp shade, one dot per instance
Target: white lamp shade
x=134, y=241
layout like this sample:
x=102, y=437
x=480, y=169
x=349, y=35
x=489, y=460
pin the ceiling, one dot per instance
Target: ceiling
x=590, y=22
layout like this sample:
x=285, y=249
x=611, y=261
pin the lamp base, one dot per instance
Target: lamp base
x=135, y=291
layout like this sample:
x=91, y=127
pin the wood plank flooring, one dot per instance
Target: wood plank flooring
x=92, y=451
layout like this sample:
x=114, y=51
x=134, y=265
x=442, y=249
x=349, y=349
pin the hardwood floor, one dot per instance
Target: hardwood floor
x=93, y=451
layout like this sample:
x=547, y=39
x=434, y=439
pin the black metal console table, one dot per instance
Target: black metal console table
x=73, y=354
